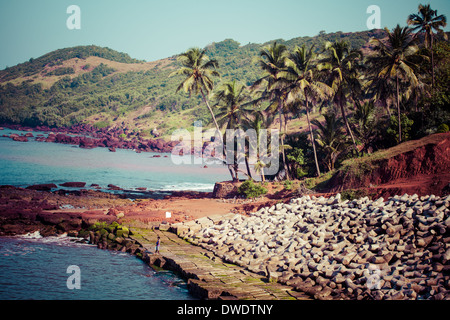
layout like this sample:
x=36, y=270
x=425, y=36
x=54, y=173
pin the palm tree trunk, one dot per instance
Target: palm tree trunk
x=312, y=138
x=210, y=110
x=280, y=106
x=347, y=126
x=398, y=111
x=432, y=64
x=233, y=175
x=249, y=173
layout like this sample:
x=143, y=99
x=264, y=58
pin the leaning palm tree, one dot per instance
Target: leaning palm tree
x=341, y=66
x=304, y=86
x=272, y=61
x=395, y=63
x=199, y=71
x=231, y=99
x=427, y=21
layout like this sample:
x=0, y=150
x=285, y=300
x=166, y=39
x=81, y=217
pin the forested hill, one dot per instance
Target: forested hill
x=106, y=87
x=57, y=57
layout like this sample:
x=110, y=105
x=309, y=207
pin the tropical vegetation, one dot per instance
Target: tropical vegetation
x=369, y=100
x=332, y=97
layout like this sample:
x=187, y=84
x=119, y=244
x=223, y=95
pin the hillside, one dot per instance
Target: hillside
x=90, y=84
x=417, y=166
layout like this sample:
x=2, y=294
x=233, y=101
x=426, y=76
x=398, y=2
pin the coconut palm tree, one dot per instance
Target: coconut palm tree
x=258, y=120
x=272, y=61
x=331, y=138
x=396, y=63
x=341, y=66
x=199, y=71
x=366, y=123
x=304, y=87
x=427, y=21
x=231, y=99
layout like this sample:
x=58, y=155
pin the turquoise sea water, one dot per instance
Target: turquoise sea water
x=27, y=163
x=37, y=268
x=34, y=268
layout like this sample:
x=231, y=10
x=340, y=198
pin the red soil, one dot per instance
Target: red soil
x=421, y=167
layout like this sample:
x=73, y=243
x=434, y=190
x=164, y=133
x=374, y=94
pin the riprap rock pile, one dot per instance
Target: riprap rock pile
x=333, y=249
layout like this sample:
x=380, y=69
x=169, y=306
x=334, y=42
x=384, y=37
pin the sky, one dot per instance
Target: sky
x=155, y=29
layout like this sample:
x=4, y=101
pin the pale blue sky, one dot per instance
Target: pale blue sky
x=155, y=29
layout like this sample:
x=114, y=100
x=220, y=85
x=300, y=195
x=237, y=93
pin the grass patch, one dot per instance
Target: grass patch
x=354, y=194
x=318, y=183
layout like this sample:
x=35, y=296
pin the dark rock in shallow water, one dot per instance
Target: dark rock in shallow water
x=73, y=184
x=87, y=143
x=16, y=137
x=43, y=187
x=114, y=187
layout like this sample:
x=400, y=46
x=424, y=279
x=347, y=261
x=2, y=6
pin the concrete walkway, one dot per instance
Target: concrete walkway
x=207, y=275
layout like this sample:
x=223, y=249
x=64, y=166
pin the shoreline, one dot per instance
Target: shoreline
x=404, y=239
x=207, y=278
x=88, y=137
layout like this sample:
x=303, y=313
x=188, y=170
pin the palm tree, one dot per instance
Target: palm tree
x=258, y=120
x=199, y=70
x=366, y=124
x=331, y=138
x=272, y=61
x=426, y=21
x=341, y=64
x=304, y=87
x=395, y=62
x=231, y=99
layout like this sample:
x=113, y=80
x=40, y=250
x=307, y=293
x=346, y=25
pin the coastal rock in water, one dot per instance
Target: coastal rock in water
x=43, y=187
x=73, y=184
x=16, y=137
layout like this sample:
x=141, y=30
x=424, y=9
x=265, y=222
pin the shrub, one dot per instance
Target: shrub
x=60, y=72
x=392, y=131
x=354, y=194
x=443, y=128
x=287, y=184
x=102, y=124
x=251, y=190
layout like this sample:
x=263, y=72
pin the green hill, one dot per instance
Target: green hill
x=105, y=87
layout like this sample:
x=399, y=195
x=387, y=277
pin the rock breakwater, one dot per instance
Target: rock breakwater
x=333, y=249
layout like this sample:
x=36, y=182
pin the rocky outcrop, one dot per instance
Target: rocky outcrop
x=333, y=249
x=88, y=137
x=112, y=236
x=28, y=210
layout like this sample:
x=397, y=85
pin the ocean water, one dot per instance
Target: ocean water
x=27, y=163
x=36, y=268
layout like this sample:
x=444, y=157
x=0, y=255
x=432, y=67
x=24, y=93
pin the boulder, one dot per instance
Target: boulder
x=226, y=189
x=16, y=137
